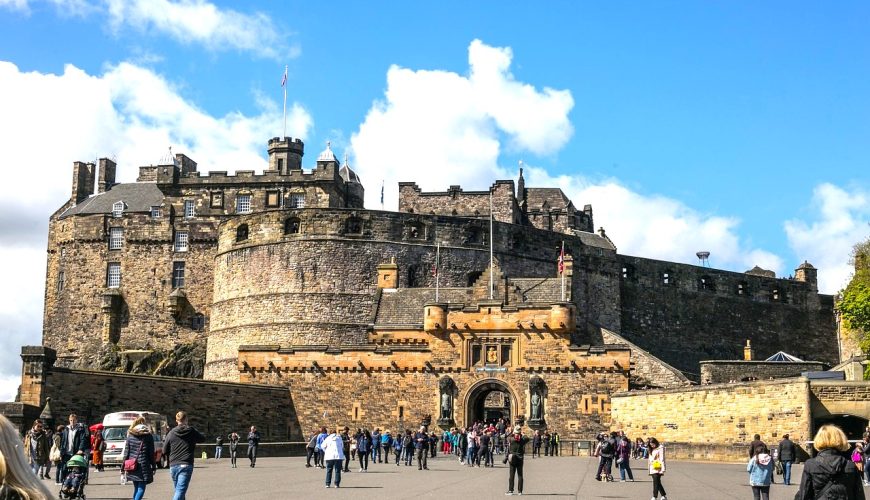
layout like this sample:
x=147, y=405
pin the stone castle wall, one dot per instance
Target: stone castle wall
x=716, y=422
x=714, y=372
x=455, y=201
x=684, y=321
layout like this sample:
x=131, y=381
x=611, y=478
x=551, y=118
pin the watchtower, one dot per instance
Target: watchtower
x=285, y=154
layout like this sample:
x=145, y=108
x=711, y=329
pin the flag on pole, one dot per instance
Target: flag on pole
x=562, y=259
x=284, y=78
x=382, y=194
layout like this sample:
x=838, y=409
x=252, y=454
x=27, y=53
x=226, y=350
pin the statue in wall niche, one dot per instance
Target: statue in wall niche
x=446, y=388
x=536, y=402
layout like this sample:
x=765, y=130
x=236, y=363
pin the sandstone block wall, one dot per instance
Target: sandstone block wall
x=714, y=372
x=455, y=201
x=717, y=422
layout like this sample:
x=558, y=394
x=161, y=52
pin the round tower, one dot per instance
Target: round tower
x=285, y=154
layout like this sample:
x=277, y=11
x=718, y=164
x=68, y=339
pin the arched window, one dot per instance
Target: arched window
x=242, y=233
x=292, y=226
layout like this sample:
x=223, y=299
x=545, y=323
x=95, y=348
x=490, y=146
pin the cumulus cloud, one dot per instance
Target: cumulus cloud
x=187, y=21
x=840, y=218
x=130, y=113
x=451, y=126
x=669, y=229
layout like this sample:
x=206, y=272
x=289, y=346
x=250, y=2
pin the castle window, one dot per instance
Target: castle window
x=243, y=204
x=217, y=200
x=742, y=288
x=178, y=274
x=113, y=275
x=628, y=272
x=118, y=209
x=242, y=233
x=667, y=278
x=181, y=241
x=189, y=211
x=60, y=281
x=155, y=212
x=297, y=200
x=412, y=277
x=417, y=231
x=280, y=164
x=476, y=354
x=273, y=199
x=292, y=226
x=197, y=322
x=706, y=283
x=774, y=294
x=116, y=238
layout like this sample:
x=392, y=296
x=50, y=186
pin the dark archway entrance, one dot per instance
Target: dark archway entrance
x=852, y=425
x=489, y=401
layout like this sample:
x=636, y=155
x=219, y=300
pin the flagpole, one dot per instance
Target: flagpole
x=437, y=259
x=491, y=271
x=284, y=84
x=562, y=269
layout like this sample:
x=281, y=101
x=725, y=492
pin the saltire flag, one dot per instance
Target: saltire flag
x=562, y=259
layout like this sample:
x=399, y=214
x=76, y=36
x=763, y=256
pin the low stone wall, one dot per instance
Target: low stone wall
x=214, y=408
x=716, y=422
x=715, y=372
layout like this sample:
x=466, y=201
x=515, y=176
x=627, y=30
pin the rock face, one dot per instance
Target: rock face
x=184, y=360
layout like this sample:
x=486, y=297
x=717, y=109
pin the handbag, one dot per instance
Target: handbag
x=619, y=460
x=778, y=466
x=54, y=454
x=130, y=463
x=656, y=465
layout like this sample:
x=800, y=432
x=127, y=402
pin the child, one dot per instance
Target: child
x=74, y=482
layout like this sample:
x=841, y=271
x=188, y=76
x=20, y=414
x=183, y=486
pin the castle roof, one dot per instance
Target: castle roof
x=553, y=198
x=758, y=271
x=806, y=265
x=327, y=154
x=347, y=174
x=137, y=197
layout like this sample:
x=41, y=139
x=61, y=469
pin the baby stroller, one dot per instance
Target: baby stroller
x=73, y=486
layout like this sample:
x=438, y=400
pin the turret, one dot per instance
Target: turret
x=285, y=154
x=808, y=274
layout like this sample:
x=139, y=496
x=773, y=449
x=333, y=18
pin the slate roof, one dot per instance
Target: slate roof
x=594, y=240
x=538, y=289
x=404, y=306
x=137, y=197
x=554, y=198
x=783, y=356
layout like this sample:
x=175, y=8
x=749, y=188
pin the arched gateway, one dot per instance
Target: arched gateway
x=488, y=400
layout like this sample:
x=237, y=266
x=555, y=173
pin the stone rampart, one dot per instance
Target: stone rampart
x=714, y=372
x=717, y=422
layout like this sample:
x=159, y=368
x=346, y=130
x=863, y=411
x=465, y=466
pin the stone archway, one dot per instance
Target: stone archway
x=489, y=400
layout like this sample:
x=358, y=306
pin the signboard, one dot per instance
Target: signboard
x=491, y=369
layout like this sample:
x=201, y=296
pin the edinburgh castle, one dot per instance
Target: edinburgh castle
x=458, y=306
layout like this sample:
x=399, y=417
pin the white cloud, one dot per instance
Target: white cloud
x=448, y=128
x=668, y=230
x=128, y=112
x=9, y=386
x=187, y=21
x=840, y=221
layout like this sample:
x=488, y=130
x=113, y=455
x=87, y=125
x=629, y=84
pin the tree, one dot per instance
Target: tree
x=854, y=303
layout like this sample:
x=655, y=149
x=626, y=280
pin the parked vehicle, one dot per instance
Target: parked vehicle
x=115, y=427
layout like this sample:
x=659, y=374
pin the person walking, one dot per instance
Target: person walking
x=866, y=477
x=311, y=450
x=253, y=445
x=179, y=446
x=363, y=449
x=318, y=459
x=99, y=448
x=786, y=453
x=536, y=444
x=233, y=439
x=74, y=441
x=421, y=445
x=36, y=447
x=760, y=469
x=830, y=475
x=218, y=447
x=139, y=448
x=345, y=444
x=409, y=448
x=376, y=446
x=657, y=467
x=58, y=457
x=398, y=445
x=606, y=450
x=17, y=480
x=515, y=456
x=333, y=456
x=546, y=439
x=386, y=444
x=623, y=459
x=756, y=440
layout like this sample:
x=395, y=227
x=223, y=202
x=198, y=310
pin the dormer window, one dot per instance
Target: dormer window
x=118, y=209
x=155, y=212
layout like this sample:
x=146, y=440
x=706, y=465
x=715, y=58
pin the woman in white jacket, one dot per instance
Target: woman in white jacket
x=657, y=467
x=333, y=455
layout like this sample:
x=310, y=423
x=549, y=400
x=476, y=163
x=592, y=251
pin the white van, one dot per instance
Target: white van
x=115, y=426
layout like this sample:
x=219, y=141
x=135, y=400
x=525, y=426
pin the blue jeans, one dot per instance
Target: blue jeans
x=376, y=453
x=330, y=465
x=625, y=467
x=217, y=451
x=180, y=479
x=786, y=472
x=138, y=490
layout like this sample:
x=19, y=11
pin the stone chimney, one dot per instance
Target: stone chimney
x=748, y=353
x=83, y=181
x=107, y=175
x=388, y=274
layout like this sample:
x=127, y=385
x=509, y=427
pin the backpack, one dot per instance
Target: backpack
x=606, y=447
x=829, y=492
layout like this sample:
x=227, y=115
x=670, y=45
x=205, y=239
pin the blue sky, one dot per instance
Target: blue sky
x=742, y=128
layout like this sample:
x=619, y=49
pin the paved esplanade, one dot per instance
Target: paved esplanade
x=548, y=477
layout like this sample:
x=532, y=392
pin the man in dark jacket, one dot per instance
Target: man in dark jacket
x=830, y=475
x=756, y=440
x=74, y=440
x=179, y=446
x=421, y=444
x=787, y=453
x=253, y=444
